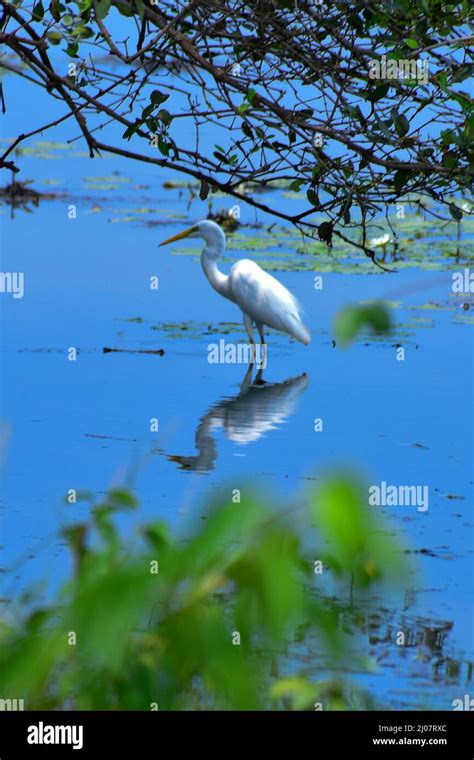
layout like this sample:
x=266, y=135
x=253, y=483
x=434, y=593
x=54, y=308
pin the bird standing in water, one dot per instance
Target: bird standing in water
x=263, y=300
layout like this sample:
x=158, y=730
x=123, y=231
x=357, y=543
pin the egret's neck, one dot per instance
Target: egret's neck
x=218, y=280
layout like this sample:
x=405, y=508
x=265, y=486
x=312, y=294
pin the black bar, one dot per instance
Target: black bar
x=377, y=734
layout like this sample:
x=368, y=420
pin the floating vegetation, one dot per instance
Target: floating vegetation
x=466, y=319
x=112, y=182
x=195, y=330
x=50, y=150
x=21, y=195
x=155, y=351
x=180, y=184
x=432, y=306
x=16, y=191
x=137, y=320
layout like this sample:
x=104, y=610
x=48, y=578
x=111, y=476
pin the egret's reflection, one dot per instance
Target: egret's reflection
x=259, y=407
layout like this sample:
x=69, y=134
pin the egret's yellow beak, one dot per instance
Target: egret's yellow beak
x=179, y=236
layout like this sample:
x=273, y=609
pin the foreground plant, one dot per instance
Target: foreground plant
x=203, y=621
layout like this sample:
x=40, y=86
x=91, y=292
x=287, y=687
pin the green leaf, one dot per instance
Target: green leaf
x=130, y=130
x=354, y=112
x=449, y=160
x=38, y=12
x=83, y=32
x=384, y=128
x=123, y=8
x=102, y=8
x=351, y=320
x=140, y=5
x=204, y=191
x=54, y=37
x=402, y=125
x=157, y=97
x=120, y=498
x=152, y=124
x=312, y=196
x=307, y=113
x=164, y=116
x=447, y=137
x=358, y=544
x=55, y=10
x=413, y=44
x=455, y=212
x=147, y=111
x=469, y=127
x=400, y=178
x=246, y=129
x=379, y=93
x=85, y=9
x=461, y=73
x=297, y=689
x=251, y=95
x=72, y=49
x=163, y=146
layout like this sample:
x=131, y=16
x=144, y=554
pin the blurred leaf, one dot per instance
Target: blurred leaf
x=298, y=690
x=54, y=37
x=357, y=544
x=351, y=320
x=455, y=212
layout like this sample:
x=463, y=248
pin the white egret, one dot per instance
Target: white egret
x=263, y=300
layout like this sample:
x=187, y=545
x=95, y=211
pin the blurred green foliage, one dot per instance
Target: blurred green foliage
x=200, y=622
x=353, y=319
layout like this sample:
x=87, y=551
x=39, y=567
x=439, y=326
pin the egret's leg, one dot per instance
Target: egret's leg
x=248, y=323
x=263, y=345
x=247, y=381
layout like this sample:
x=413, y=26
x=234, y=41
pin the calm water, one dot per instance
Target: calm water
x=85, y=424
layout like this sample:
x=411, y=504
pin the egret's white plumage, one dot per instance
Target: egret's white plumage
x=262, y=299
